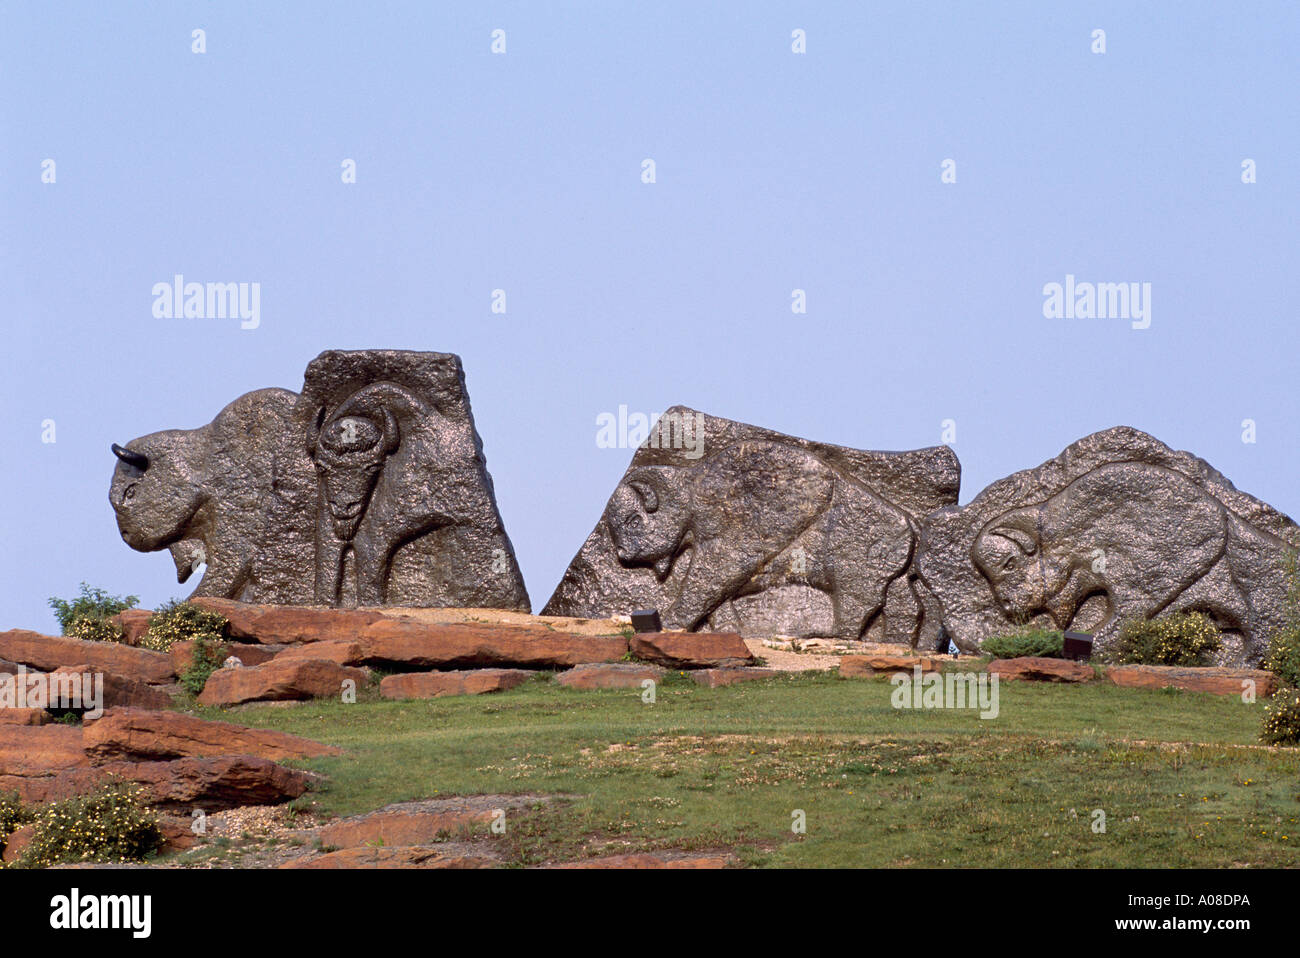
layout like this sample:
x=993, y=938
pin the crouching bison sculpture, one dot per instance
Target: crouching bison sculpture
x=370, y=487
x=764, y=533
x=1118, y=527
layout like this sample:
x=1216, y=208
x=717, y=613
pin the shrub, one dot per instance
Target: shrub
x=12, y=815
x=1039, y=642
x=1283, y=656
x=209, y=653
x=111, y=825
x=178, y=621
x=1183, y=638
x=1282, y=719
x=86, y=616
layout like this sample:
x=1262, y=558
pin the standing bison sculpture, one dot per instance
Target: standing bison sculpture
x=369, y=487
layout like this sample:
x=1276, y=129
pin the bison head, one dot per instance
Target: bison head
x=647, y=519
x=350, y=446
x=153, y=492
x=1006, y=552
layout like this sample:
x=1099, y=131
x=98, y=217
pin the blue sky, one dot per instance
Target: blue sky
x=774, y=171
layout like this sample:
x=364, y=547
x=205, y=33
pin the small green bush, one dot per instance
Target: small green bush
x=177, y=621
x=1283, y=656
x=1183, y=638
x=1282, y=719
x=208, y=654
x=1037, y=642
x=111, y=825
x=86, y=616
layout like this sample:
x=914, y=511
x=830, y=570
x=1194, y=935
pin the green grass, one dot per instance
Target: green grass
x=1177, y=774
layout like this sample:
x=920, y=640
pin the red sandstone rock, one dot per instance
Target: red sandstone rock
x=214, y=782
x=691, y=650
x=117, y=690
x=134, y=623
x=1037, y=668
x=137, y=734
x=853, y=666
x=340, y=651
x=16, y=842
x=430, y=685
x=272, y=624
x=17, y=716
x=48, y=652
x=619, y=675
x=278, y=681
x=462, y=645
x=1217, y=681
x=27, y=750
x=182, y=654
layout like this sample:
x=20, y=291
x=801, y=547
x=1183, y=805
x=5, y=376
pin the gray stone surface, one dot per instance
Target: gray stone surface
x=1117, y=526
x=763, y=534
x=370, y=487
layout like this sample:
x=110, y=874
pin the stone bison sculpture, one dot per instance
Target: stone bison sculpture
x=203, y=493
x=767, y=534
x=369, y=487
x=1118, y=527
x=1145, y=538
x=740, y=518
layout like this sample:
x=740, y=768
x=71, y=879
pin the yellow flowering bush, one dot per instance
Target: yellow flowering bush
x=1282, y=719
x=111, y=825
x=181, y=622
x=86, y=616
x=1183, y=638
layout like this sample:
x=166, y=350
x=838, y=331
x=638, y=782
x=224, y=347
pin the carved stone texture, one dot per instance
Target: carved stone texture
x=368, y=488
x=737, y=528
x=1117, y=526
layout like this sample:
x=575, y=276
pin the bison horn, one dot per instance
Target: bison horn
x=1026, y=542
x=131, y=457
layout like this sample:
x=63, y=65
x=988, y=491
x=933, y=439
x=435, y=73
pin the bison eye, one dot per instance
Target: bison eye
x=128, y=493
